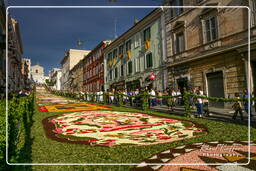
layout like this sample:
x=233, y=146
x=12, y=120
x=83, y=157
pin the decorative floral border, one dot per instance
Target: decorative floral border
x=52, y=108
x=169, y=154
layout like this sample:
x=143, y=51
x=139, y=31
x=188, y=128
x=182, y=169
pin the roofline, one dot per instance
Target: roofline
x=98, y=45
x=133, y=27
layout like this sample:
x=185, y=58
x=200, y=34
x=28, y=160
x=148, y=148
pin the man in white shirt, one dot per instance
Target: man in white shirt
x=152, y=99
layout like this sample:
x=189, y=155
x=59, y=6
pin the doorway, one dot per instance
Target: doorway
x=182, y=84
x=215, y=87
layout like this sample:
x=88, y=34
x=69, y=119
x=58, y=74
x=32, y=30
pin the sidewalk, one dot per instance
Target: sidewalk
x=217, y=114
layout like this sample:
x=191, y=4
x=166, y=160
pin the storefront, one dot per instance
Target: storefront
x=132, y=85
x=118, y=85
x=221, y=75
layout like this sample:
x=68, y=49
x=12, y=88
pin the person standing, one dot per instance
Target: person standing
x=178, y=93
x=237, y=106
x=152, y=99
x=247, y=106
x=199, y=104
x=160, y=94
x=254, y=96
x=206, y=106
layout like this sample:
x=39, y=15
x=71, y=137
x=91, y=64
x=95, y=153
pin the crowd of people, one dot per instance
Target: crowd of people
x=169, y=97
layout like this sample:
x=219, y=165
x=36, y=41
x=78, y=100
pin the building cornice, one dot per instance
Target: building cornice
x=134, y=29
x=215, y=52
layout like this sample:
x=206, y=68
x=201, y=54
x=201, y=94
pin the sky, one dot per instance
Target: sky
x=47, y=33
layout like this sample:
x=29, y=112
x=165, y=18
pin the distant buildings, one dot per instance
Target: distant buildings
x=25, y=71
x=132, y=58
x=93, y=68
x=28, y=63
x=176, y=48
x=76, y=81
x=71, y=58
x=55, y=76
x=37, y=74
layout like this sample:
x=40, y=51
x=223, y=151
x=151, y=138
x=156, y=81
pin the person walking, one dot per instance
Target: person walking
x=237, y=106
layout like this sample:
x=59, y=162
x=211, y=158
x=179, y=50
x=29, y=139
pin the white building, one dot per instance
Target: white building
x=55, y=75
x=71, y=58
x=37, y=74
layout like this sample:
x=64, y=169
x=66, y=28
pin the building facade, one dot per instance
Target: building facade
x=15, y=51
x=28, y=62
x=93, y=70
x=25, y=71
x=54, y=76
x=37, y=74
x=71, y=58
x=77, y=77
x=2, y=47
x=208, y=47
x=135, y=55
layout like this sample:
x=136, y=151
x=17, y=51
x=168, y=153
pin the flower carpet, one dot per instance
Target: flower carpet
x=109, y=128
x=217, y=153
x=70, y=107
x=51, y=103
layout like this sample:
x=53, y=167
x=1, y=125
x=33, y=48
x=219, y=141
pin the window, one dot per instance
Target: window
x=137, y=40
x=121, y=50
x=110, y=56
x=146, y=34
x=115, y=53
x=36, y=71
x=180, y=43
x=137, y=67
x=110, y=75
x=128, y=45
x=122, y=70
x=252, y=5
x=149, y=60
x=176, y=11
x=211, y=31
x=116, y=72
x=130, y=67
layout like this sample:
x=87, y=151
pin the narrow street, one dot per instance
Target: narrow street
x=155, y=85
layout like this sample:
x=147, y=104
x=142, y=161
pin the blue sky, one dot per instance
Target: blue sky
x=47, y=33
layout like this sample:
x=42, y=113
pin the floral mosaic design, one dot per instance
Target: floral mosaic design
x=109, y=128
x=217, y=153
x=70, y=107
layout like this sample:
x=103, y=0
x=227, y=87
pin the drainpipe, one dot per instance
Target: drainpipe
x=248, y=72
